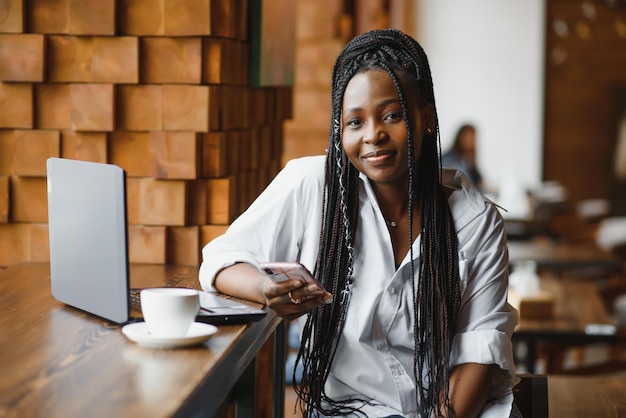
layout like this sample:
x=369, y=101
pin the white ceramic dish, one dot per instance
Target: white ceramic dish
x=198, y=332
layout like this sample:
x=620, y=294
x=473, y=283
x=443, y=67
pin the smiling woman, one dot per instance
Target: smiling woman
x=414, y=258
x=374, y=138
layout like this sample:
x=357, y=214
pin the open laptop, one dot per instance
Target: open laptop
x=89, y=265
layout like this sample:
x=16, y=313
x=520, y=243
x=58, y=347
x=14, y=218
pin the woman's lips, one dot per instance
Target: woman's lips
x=378, y=157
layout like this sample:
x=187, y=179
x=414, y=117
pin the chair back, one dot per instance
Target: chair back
x=531, y=395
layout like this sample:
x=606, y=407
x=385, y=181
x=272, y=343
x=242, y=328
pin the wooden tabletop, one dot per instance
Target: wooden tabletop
x=584, y=397
x=60, y=362
x=577, y=304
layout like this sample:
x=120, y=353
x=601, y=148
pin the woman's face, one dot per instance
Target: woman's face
x=374, y=134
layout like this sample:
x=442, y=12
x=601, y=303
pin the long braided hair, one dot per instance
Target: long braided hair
x=436, y=296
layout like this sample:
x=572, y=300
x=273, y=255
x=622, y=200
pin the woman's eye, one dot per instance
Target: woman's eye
x=393, y=116
x=355, y=123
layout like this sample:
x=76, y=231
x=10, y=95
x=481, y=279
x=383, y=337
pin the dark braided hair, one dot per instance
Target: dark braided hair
x=436, y=296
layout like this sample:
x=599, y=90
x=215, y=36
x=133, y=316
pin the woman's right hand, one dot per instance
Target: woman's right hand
x=291, y=298
x=245, y=281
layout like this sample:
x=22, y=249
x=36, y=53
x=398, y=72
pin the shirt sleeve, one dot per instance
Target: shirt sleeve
x=486, y=320
x=272, y=228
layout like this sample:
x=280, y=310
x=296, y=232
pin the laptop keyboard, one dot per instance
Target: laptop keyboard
x=135, y=299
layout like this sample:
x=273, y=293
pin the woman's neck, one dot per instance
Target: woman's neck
x=393, y=201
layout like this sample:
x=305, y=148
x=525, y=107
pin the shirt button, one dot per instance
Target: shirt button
x=393, y=290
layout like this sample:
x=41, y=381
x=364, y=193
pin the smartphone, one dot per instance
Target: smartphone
x=282, y=271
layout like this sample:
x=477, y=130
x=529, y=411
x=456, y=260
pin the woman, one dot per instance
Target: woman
x=415, y=321
x=462, y=155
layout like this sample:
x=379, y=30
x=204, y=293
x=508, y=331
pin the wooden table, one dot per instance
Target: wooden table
x=60, y=362
x=576, y=305
x=562, y=257
x=584, y=397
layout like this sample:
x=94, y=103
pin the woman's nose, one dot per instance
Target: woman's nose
x=373, y=133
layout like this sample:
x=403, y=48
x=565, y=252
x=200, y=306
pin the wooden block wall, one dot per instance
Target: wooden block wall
x=319, y=41
x=158, y=87
x=323, y=28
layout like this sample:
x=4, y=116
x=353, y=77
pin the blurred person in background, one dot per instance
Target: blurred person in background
x=462, y=155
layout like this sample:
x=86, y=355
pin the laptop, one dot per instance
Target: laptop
x=88, y=230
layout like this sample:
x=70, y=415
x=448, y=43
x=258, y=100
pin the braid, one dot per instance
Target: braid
x=436, y=295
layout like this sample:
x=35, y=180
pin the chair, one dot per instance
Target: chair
x=531, y=395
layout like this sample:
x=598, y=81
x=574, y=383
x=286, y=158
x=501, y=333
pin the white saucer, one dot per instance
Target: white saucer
x=198, y=332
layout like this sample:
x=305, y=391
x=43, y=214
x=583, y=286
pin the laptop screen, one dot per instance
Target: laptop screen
x=88, y=237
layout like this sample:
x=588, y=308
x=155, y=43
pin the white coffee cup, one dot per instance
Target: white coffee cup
x=169, y=311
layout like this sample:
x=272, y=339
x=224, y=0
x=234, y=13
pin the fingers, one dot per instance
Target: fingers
x=295, y=301
x=292, y=299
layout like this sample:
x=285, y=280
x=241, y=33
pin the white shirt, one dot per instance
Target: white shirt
x=375, y=356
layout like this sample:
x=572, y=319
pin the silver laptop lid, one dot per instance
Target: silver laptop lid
x=88, y=237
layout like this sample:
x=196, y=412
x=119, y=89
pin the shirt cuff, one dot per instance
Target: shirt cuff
x=483, y=347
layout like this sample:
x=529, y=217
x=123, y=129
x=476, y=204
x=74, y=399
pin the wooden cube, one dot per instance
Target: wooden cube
x=209, y=232
x=197, y=191
x=131, y=151
x=183, y=246
x=84, y=146
x=22, y=57
x=191, y=18
x=241, y=61
x=171, y=60
x=222, y=19
x=174, y=155
x=69, y=59
x=185, y=108
x=45, y=16
x=255, y=148
x=242, y=189
x=139, y=108
x=539, y=305
x=215, y=110
x=95, y=59
x=234, y=152
x=14, y=244
x=162, y=202
x=92, y=107
x=29, y=199
x=7, y=150
x=52, y=106
x=142, y=17
x=115, y=59
x=39, y=243
x=268, y=150
x=214, y=147
x=32, y=149
x=4, y=199
x=92, y=17
x=16, y=105
x=235, y=109
x=12, y=16
x=241, y=20
x=133, y=190
x=222, y=201
x=213, y=60
x=146, y=244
